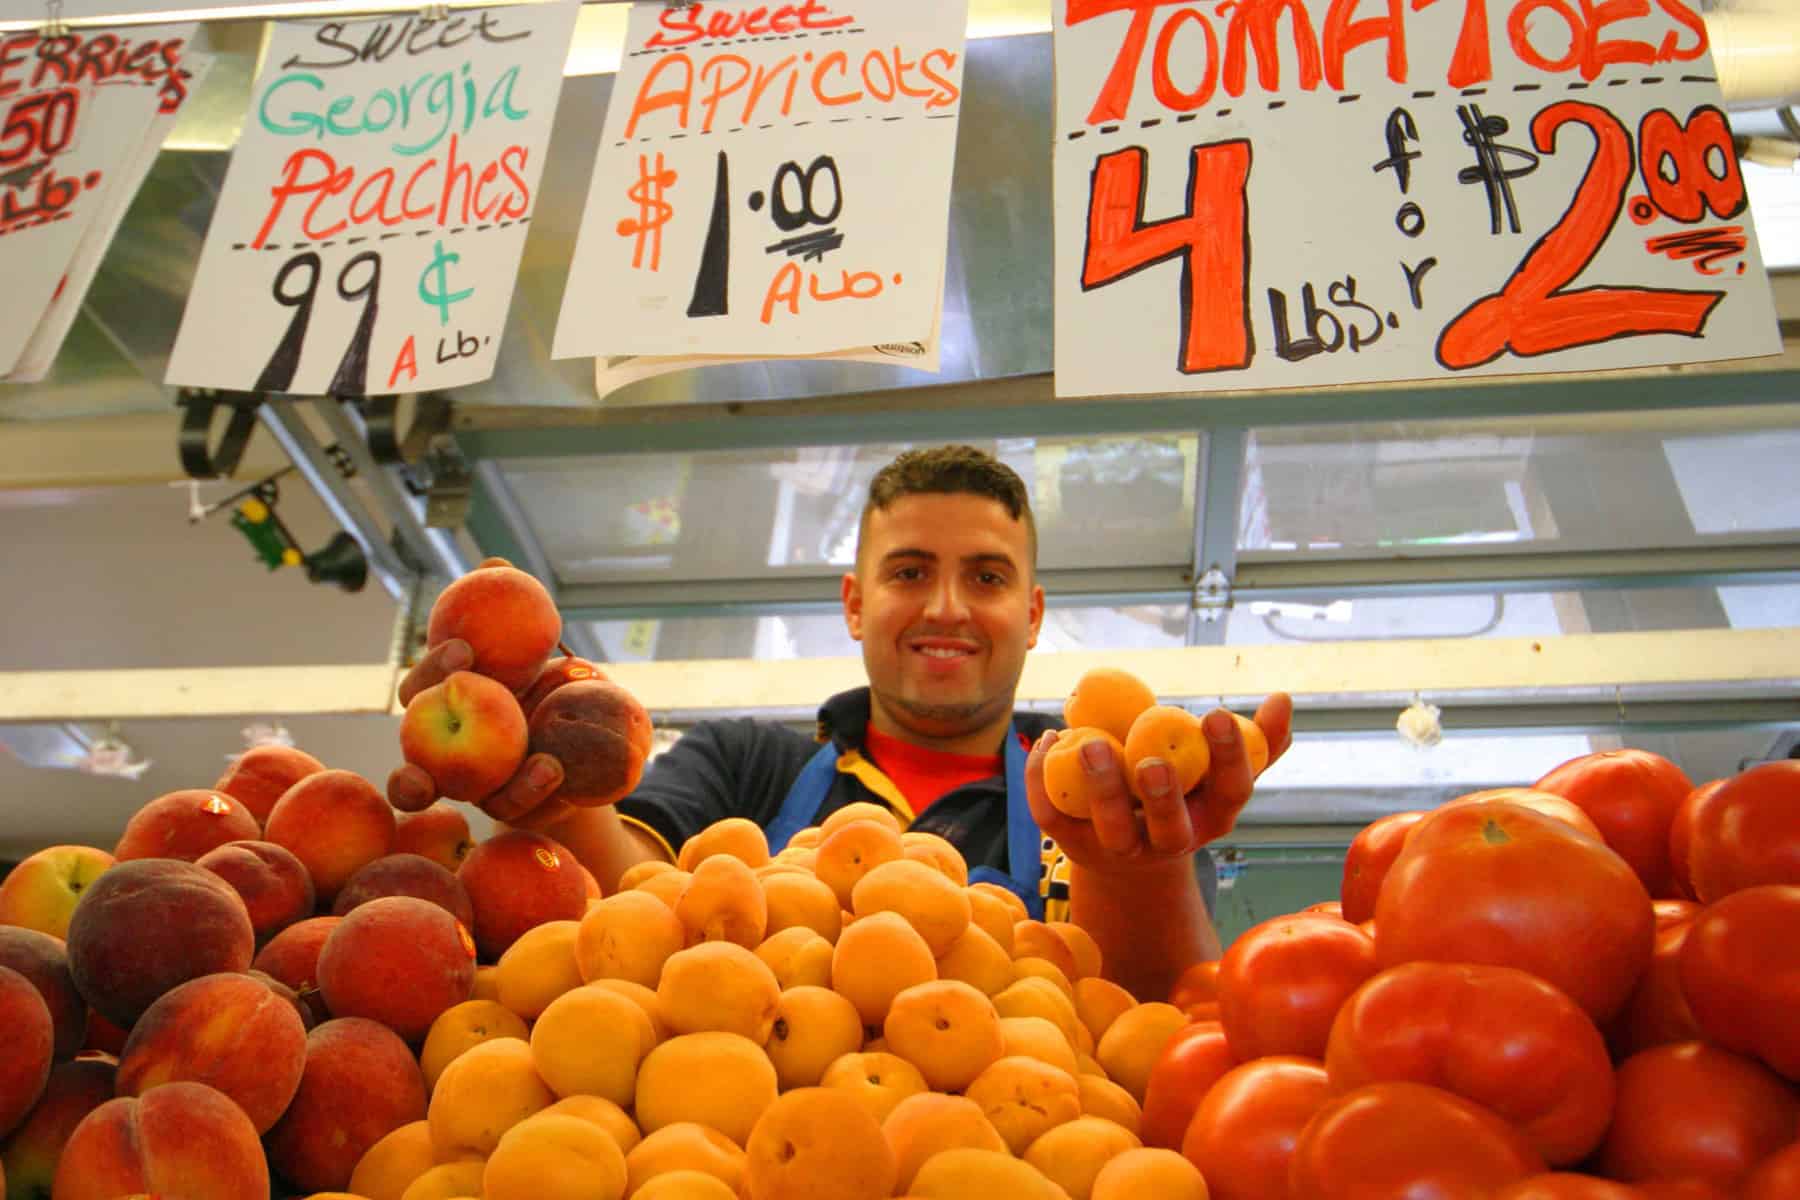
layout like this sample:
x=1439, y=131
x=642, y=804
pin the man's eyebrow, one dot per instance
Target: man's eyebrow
x=908, y=552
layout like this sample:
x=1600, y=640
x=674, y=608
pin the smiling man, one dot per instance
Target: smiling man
x=945, y=602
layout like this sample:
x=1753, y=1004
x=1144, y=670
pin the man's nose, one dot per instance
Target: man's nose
x=947, y=602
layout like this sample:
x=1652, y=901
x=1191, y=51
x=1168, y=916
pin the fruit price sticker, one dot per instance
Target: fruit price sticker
x=81, y=114
x=369, y=231
x=1295, y=193
x=772, y=180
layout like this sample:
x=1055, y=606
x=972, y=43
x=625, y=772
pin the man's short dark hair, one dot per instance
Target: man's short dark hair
x=951, y=471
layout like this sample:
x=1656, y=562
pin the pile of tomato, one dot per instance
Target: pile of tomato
x=1588, y=989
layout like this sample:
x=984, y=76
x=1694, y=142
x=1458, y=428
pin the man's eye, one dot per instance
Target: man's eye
x=992, y=579
x=909, y=574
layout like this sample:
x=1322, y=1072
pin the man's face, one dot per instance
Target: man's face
x=945, y=605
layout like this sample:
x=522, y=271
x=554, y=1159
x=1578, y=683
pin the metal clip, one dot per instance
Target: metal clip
x=436, y=10
x=1212, y=594
x=54, y=25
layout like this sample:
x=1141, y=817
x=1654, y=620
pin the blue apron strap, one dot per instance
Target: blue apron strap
x=805, y=798
x=1024, y=844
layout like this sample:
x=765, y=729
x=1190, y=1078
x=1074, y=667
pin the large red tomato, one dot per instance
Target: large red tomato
x=1657, y=1012
x=1244, y=1132
x=1406, y=1139
x=1366, y=864
x=1561, y=1185
x=1681, y=836
x=1632, y=796
x=1548, y=803
x=1281, y=983
x=1191, y=1062
x=1695, y=1110
x=1499, y=884
x=1776, y=1177
x=1740, y=972
x=1673, y=912
x=1747, y=832
x=1504, y=1039
x=1690, y=1187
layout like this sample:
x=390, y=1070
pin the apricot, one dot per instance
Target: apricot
x=1032, y=967
x=810, y=1145
x=628, y=935
x=360, y=1083
x=539, y=967
x=389, y=1166
x=851, y=851
x=798, y=956
x=273, y=884
x=684, y=1147
x=976, y=959
x=875, y=1079
x=182, y=1139
x=1099, y=1002
x=930, y=903
x=258, y=777
x=1135, y=1041
x=994, y=915
x=1108, y=699
x=1082, y=947
x=723, y=901
x=1005, y=896
x=505, y=615
x=1036, y=939
x=1032, y=996
x=1023, y=1098
x=1041, y=1039
x=810, y=837
x=813, y=1028
x=646, y=1002
x=601, y=735
x=185, y=825
x=484, y=1091
x=604, y=1113
x=739, y=837
x=684, y=1185
x=1101, y=1097
x=1149, y=1172
x=740, y=1084
x=487, y=983
x=463, y=1026
x=1256, y=744
x=936, y=852
x=1173, y=735
x=965, y=1174
x=666, y=886
x=517, y=880
x=947, y=1029
x=589, y=1042
x=1067, y=784
x=800, y=899
x=924, y=1125
x=1072, y=1154
x=398, y=960
x=718, y=986
x=554, y=1157
x=856, y=810
x=876, y=959
x=457, y=1180
x=407, y=875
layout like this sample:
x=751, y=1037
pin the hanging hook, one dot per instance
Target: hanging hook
x=54, y=25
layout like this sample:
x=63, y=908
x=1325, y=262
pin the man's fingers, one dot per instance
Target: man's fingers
x=1166, y=823
x=1110, y=806
x=1228, y=780
x=411, y=789
x=534, y=783
x=1275, y=717
x=439, y=663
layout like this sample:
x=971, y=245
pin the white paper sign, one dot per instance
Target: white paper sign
x=1287, y=194
x=75, y=112
x=367, y=238
x=771, y=181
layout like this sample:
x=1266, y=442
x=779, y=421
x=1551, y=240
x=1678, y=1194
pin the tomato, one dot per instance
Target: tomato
x=1688, y=1188
x=1673, y=912
x=1197, y=984
x=1563, y=1186
x=1506, y=1040
x=1694, y=1109
x=1657, y=1012
x=1281, y=983
x=1244, y=1132
x=1329, y=908
x=1632, y=796
x=1681, y=836
x=1776, y=1177
x=1548, y=803
x=1747, y=832
x=1191, y=1062
x=1499, y=884
x=1366, y=864
x=1740, y=972
x=1406, y=1139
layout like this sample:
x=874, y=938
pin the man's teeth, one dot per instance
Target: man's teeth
x=942, y=652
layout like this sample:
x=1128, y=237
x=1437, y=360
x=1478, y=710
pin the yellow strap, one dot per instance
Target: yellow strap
x=851, y=762
x=662, y=841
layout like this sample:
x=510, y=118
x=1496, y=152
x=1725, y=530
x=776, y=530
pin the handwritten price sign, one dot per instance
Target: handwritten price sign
x=1289, y=193
x=368, y=234
x=75, y=111
x=772, y=180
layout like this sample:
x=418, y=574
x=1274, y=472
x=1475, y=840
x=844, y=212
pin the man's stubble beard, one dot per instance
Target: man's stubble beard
x=963, y=717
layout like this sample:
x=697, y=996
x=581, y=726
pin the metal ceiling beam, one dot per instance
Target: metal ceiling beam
x=1218, y=497
x=432, y=550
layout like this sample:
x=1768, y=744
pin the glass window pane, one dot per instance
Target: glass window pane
x=1533, y=484
x=1102, y=502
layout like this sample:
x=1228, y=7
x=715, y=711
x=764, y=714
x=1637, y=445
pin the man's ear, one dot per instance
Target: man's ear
x=852, y=594
x=1037, y=616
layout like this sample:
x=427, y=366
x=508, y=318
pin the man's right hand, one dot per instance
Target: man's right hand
x=527, y=800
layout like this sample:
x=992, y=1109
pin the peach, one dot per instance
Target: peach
x=30, y=1154
x=600, y=734
x=226, y=1031
x=30, y=1041
x=360, y=1084
x=103, y=1037
x=440, y=833
x=292, y=958
x=287, y=995
x=185, y=825
x=258, y=777
x=555, y=673
x=44, y=961
x=335, y=822
x=273, y=884
x=406, y=875
x=398, y=960
x=467, y=733
x=182, y=1139
x=517, y=880
x=42, y=891
x=506, y=616
x=149, y=924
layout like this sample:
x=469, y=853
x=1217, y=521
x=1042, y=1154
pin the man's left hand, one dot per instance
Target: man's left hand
x=1121, y=835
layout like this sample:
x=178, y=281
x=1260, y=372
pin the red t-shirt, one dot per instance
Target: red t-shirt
x=923, y=774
